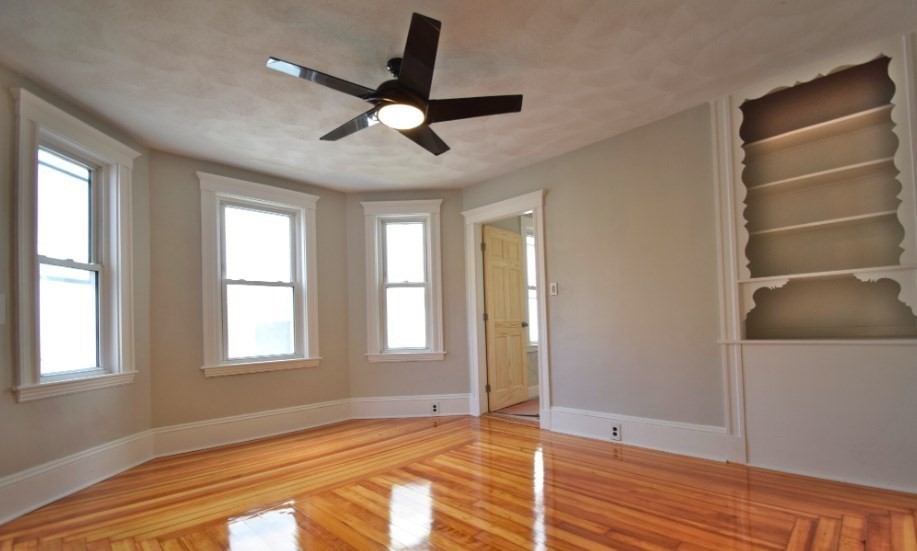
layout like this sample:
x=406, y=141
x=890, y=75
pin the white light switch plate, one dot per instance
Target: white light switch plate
x=553, y=288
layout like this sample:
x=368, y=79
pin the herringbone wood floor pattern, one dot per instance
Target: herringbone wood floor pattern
x=460, y=483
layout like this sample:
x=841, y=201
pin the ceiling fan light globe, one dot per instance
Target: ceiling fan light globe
x=400, y=116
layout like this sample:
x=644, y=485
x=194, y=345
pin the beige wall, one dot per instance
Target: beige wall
x=35, y=432
x=449, y=376
x=845, y=412
x=181, y=394
x=631, y=241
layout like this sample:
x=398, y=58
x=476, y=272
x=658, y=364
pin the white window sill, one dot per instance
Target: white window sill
x=221, y=370
x=27, y=393
x=531, y=348
x=406, y=357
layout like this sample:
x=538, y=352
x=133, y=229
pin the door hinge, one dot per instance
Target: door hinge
x=486, y=388
x=486, y=317
x=483, y=246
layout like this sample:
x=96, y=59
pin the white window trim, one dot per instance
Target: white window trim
x=375, y=212
x=216, y=189
x=41, y=124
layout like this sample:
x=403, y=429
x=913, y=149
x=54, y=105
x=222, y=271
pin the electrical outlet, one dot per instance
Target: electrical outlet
x=435, y=408
x=616, y=431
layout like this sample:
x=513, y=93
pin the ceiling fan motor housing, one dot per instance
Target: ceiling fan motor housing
x=394, y=66
x=392, y=91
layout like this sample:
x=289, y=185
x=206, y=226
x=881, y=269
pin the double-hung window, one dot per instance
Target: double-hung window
x=403, y=281
x=69, y=267
x=258, y=277
x=73, y=275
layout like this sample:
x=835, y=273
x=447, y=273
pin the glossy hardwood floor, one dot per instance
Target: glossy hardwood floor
x=459, y=483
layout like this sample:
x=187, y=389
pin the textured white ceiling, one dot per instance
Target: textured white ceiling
x=188, y=76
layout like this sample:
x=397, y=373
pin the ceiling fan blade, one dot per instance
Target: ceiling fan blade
x=355, y=124
x=440, y=110
x=420, y=55
x=426, y=138
x=317, y=77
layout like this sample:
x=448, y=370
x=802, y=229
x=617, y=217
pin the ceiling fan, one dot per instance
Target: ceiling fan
x=404, y=103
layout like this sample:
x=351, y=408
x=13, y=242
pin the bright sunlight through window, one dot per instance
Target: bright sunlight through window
x=68, y=288
x=405, y=285
x=530, y=279
x=258, y=278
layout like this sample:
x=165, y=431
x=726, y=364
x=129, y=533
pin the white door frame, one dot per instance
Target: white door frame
x=474, y=285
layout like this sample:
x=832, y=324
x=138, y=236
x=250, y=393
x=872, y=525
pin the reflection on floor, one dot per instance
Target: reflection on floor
x=459, y=483
x=528, y=408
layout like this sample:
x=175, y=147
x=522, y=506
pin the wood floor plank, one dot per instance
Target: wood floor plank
x=903, y=532
x=878, y=533
x=853, y=533
x=801, y=536
x=827, y=534
x=459, y=483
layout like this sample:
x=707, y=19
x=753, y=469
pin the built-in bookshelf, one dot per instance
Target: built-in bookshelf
x=826, y=223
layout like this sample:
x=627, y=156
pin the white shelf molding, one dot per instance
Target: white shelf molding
x=906, y=280
x=830, y=274
x=820, y=131
x=814, y=179
x=749, y=289
x=825, y=224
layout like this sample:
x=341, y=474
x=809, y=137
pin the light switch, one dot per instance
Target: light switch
x=553, y=288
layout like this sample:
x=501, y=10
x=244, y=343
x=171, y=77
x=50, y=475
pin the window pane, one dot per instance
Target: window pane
x=406, y=317
x=405, y=253
x=63, y=208
x=530, y=260
x=533, y=316
x=259, y=321
x=257, y=245
x=68, y=322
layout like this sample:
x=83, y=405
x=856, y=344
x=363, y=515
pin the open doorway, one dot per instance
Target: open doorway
x=527, y=205
x=511, y=316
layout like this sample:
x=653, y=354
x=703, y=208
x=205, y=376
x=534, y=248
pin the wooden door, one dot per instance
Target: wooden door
x=504, y=305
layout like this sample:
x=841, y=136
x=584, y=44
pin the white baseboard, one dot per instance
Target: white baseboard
x=408, y=406
x=705, y=441
x=33, y=488
x=534, y=391
x=25, y=491
x=240, y=428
